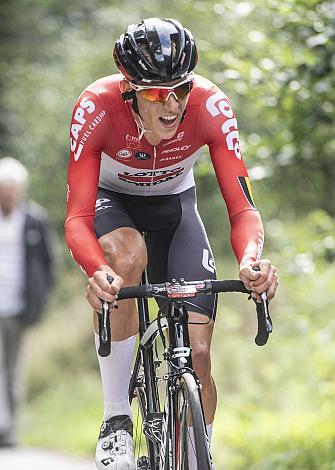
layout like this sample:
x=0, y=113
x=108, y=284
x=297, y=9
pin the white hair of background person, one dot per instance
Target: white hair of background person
x=13, y=171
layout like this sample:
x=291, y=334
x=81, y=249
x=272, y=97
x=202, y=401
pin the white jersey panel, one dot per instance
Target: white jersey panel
x=122, y=178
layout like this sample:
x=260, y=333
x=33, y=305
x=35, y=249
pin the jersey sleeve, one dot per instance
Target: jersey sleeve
x=218, y=127
x=87, y=131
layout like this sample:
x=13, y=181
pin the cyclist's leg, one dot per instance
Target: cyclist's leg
x=125, y=251
x=200, y=338
x=122, y=249
x=190, y=256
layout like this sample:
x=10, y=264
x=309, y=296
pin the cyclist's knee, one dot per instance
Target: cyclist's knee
x=130, y=268
x=201, y=359
x=126, y=253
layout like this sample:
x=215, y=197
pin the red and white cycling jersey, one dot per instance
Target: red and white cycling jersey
x=106, y=151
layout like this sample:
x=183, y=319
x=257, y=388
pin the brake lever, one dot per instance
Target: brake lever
x=264, y=321
x=264, y=327
x=104, y=326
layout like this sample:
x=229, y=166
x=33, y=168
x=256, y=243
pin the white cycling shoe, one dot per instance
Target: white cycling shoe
x=115, y=445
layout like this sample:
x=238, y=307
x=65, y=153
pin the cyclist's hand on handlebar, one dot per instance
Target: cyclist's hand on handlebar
x=99, y=288
x=264, y=280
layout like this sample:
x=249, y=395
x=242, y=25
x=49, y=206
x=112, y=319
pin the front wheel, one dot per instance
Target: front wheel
x=189, y=436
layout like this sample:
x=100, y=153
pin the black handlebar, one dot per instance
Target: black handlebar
x=228, y=286
x=203, y=287
x=138, y=292
x=207, y=287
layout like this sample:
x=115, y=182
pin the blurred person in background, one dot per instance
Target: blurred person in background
x=26, y=274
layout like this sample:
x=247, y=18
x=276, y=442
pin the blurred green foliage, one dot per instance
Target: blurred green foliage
x=275, y=59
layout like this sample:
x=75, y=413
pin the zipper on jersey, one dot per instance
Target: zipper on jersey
x=153, y=170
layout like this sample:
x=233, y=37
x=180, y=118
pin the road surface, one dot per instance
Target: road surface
x=33, y=459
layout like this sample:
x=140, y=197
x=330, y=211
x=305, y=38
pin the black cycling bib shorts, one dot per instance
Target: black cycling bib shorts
x=175, y=236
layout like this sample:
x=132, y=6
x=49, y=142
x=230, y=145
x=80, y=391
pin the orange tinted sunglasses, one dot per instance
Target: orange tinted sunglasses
x=160, y=94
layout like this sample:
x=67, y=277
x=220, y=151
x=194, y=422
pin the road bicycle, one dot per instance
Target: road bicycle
x=163, y=383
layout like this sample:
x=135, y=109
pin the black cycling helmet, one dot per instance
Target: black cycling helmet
x=155, y=51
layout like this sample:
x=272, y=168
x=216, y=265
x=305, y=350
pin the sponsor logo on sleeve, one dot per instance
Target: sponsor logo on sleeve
x=77, y=140
x=260, y=243
x=218, y=105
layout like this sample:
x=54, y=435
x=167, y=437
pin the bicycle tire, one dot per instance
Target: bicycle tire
x=188, y=412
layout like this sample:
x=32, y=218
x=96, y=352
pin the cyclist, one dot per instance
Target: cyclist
x=135, y=138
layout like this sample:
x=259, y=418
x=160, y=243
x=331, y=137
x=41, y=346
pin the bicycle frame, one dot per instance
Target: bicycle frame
x=178, y=357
